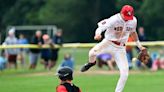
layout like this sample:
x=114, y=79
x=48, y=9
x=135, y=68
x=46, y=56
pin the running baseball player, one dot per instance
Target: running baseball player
x=117, y=30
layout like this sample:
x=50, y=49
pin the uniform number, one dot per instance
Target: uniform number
x=118, y=28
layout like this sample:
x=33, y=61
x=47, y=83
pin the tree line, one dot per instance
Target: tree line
x=78, y=18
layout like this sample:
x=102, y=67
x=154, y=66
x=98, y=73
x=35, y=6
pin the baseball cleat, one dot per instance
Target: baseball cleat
x=87, y=66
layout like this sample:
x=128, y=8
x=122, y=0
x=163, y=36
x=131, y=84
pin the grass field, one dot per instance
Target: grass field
x=95, y=80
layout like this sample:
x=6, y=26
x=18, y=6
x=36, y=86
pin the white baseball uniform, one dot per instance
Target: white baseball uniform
x=116, y=30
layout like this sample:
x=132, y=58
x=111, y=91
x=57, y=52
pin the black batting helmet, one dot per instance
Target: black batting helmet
x=65, y=73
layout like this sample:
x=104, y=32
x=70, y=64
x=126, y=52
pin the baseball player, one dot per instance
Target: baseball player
x=65, y=74
x=117, y=30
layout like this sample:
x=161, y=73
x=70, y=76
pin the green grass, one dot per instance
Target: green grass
x=30, y=82
x=40, y=80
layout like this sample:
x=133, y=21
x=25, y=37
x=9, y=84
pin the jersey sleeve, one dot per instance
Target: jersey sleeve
x=105, y=24
x=61, y=88
x=135, y=25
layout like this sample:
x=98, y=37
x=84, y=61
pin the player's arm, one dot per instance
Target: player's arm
x=134, y=35
x=98, y=34
x=102, y=26
x=61, y=88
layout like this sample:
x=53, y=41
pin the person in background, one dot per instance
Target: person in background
x=3, y=61
x=12, y=53
x=21, y=57
x=107, y=60
x=129, y=51
x=137, y=65
x=57, y=39
x=34, y=53
x=159, y=61
x=45, y=52
x=68, y=61
x=141, y=34
x=155, y=55
x=65, y=75
x=22, y=39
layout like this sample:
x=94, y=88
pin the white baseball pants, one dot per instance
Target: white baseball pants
x=119, y=55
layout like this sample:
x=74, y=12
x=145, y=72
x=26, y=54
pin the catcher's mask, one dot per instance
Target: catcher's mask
x=65, y=73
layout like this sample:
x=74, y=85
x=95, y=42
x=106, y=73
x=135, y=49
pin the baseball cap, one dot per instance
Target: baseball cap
x=127, y=11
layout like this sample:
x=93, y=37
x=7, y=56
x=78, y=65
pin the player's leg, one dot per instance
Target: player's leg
x=122, y=63
x=99, y=48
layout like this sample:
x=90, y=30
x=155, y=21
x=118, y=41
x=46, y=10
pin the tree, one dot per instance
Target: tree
x=71, y=15
x=5, y=5
x=152, y=12
x=23, y=12
x=77, y=18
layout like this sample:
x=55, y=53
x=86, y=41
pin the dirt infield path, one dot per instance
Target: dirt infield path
x=77, y=73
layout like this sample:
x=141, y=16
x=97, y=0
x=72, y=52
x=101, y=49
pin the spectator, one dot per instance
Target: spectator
x=68, y=61
x=138, y=65
x=34, y=53
x=158, y=62
x=45, y=52
x=141, y=34
x=65, y=76
x=21, y=56
x=22, y=39
x=154, y=55
x=11, y=54
x=3, y=61
x=129, y=51
x=57, y=39
x=106, y=59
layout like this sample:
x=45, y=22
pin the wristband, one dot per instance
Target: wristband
x=138, y=44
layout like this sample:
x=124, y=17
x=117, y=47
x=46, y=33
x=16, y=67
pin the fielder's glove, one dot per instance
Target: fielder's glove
x=144, y=56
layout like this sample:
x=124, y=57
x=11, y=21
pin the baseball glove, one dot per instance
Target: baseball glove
x=144, y=56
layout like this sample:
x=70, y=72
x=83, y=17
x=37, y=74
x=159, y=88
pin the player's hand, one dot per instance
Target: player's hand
x=97, y=37
x=142, y=48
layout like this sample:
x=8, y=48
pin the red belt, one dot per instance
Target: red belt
x=118, y=43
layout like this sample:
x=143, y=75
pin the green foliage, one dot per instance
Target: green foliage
x=69, y=15
x=5, y=5
x=78, y=18
x=152, y=12
x=23, y=12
